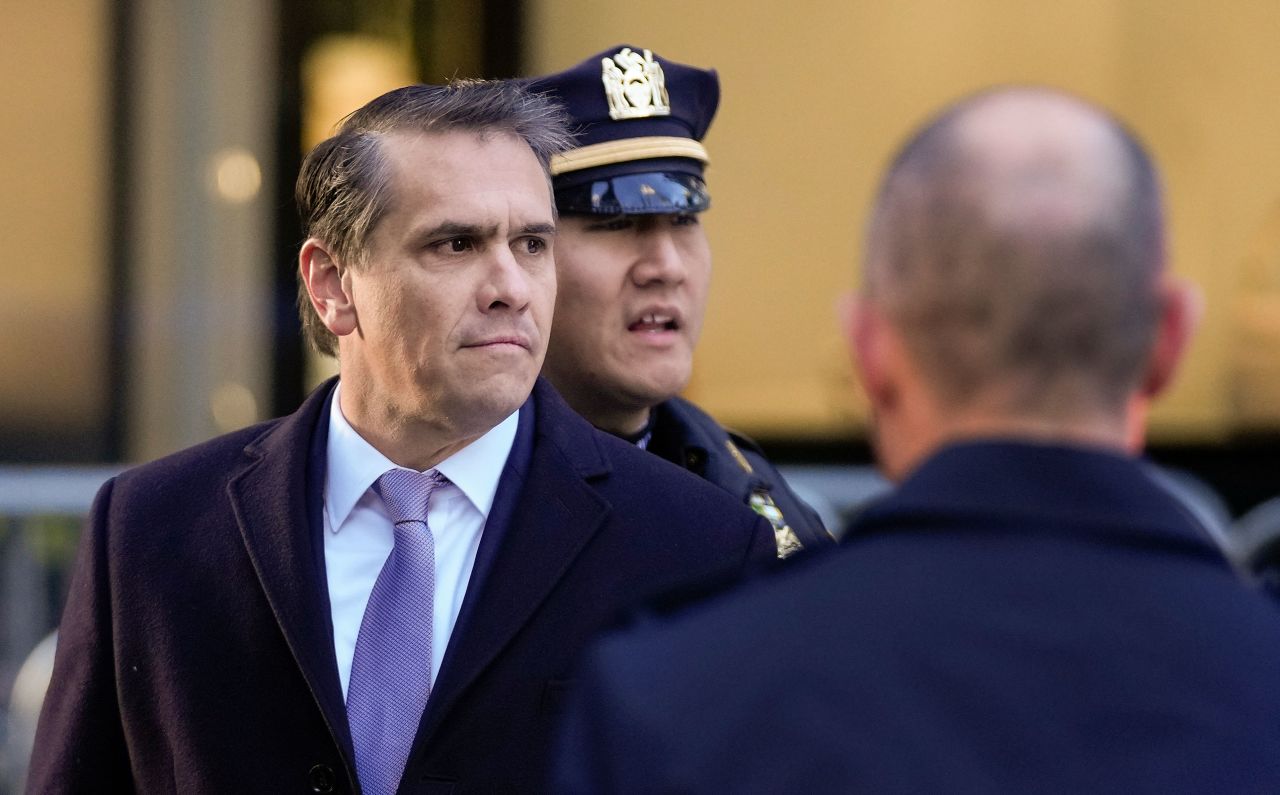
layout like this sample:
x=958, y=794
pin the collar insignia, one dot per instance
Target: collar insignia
x=784, y=537
x=635, y=85
x=738, y=456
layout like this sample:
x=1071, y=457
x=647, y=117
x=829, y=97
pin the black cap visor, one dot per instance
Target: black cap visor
x=648, y=193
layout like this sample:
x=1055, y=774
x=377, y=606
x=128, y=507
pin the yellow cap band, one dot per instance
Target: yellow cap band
x=624, y=150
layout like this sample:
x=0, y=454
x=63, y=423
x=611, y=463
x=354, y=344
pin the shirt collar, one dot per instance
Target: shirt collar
x=353, y=465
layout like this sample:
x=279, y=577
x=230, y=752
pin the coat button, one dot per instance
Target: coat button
x=322, y=779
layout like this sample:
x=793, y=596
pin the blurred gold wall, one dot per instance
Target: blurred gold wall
x=817, y=95
x=53, y=332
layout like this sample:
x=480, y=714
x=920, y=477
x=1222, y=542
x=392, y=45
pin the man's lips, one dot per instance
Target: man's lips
x=491, y=342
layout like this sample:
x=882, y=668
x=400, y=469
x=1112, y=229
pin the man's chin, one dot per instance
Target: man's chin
x=492, y=400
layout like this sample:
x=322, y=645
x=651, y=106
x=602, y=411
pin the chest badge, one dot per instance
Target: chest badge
x=635, y=85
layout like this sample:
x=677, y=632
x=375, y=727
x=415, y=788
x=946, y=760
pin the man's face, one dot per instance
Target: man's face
x=453, y=304
x=633, y=289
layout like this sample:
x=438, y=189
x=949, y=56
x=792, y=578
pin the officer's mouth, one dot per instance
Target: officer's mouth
x=655, y=323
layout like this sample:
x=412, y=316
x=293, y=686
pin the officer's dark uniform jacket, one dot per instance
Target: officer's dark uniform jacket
x=688, y=437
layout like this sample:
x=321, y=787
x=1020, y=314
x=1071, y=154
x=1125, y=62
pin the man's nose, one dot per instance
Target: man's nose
x=507, y=283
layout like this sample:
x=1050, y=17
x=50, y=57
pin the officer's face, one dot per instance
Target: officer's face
x=632, y=292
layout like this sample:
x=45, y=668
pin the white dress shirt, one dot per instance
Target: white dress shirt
x=359, y=535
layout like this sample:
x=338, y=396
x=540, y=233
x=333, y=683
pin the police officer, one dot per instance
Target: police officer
x=634, y=267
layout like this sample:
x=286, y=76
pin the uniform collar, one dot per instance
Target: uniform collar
x=691, y=438
x=1037, y=485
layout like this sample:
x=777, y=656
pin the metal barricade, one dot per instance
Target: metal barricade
x=42, y=510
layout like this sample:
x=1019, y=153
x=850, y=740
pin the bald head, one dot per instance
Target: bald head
x=1016, y=244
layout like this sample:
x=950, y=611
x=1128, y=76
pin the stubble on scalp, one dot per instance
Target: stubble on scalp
x=1016, y=243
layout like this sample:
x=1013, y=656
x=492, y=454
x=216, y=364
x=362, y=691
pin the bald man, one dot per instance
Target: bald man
x=1029, y=611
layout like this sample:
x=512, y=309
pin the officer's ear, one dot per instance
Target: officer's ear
x=329, y=286
x=1181, y=307
x=871, y=346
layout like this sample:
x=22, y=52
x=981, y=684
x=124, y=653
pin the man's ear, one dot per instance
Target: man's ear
x=329, y=287
x=1181, y=307
x=865, y=334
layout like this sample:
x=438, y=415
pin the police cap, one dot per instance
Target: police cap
x=639, y=120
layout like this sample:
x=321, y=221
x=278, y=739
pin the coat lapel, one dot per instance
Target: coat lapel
x=276, y=499
x=553, y=515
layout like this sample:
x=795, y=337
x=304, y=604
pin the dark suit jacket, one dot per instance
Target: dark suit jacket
x=196, y=653
x=1015, y=619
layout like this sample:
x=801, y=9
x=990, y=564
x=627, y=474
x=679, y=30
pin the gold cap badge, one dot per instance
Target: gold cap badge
x=635, y=85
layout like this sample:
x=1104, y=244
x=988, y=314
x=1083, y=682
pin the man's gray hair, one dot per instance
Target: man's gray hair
x=1023, y=267
x=343, y=188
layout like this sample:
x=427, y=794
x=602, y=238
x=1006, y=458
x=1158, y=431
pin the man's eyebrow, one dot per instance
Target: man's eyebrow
x=538, y=229
x=447, y=229
x=457, y=229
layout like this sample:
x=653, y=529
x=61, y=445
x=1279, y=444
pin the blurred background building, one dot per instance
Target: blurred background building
x=149, y=234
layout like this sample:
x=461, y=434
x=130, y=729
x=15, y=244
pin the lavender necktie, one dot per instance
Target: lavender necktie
x=391, y=670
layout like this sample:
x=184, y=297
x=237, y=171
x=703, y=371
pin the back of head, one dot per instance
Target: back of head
x=1016, y=244
x=343, y=188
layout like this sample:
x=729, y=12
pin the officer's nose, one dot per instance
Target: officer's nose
x=658, y=259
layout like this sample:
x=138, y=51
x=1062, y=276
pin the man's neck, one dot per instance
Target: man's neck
x=407, y=442
x=905, y=449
